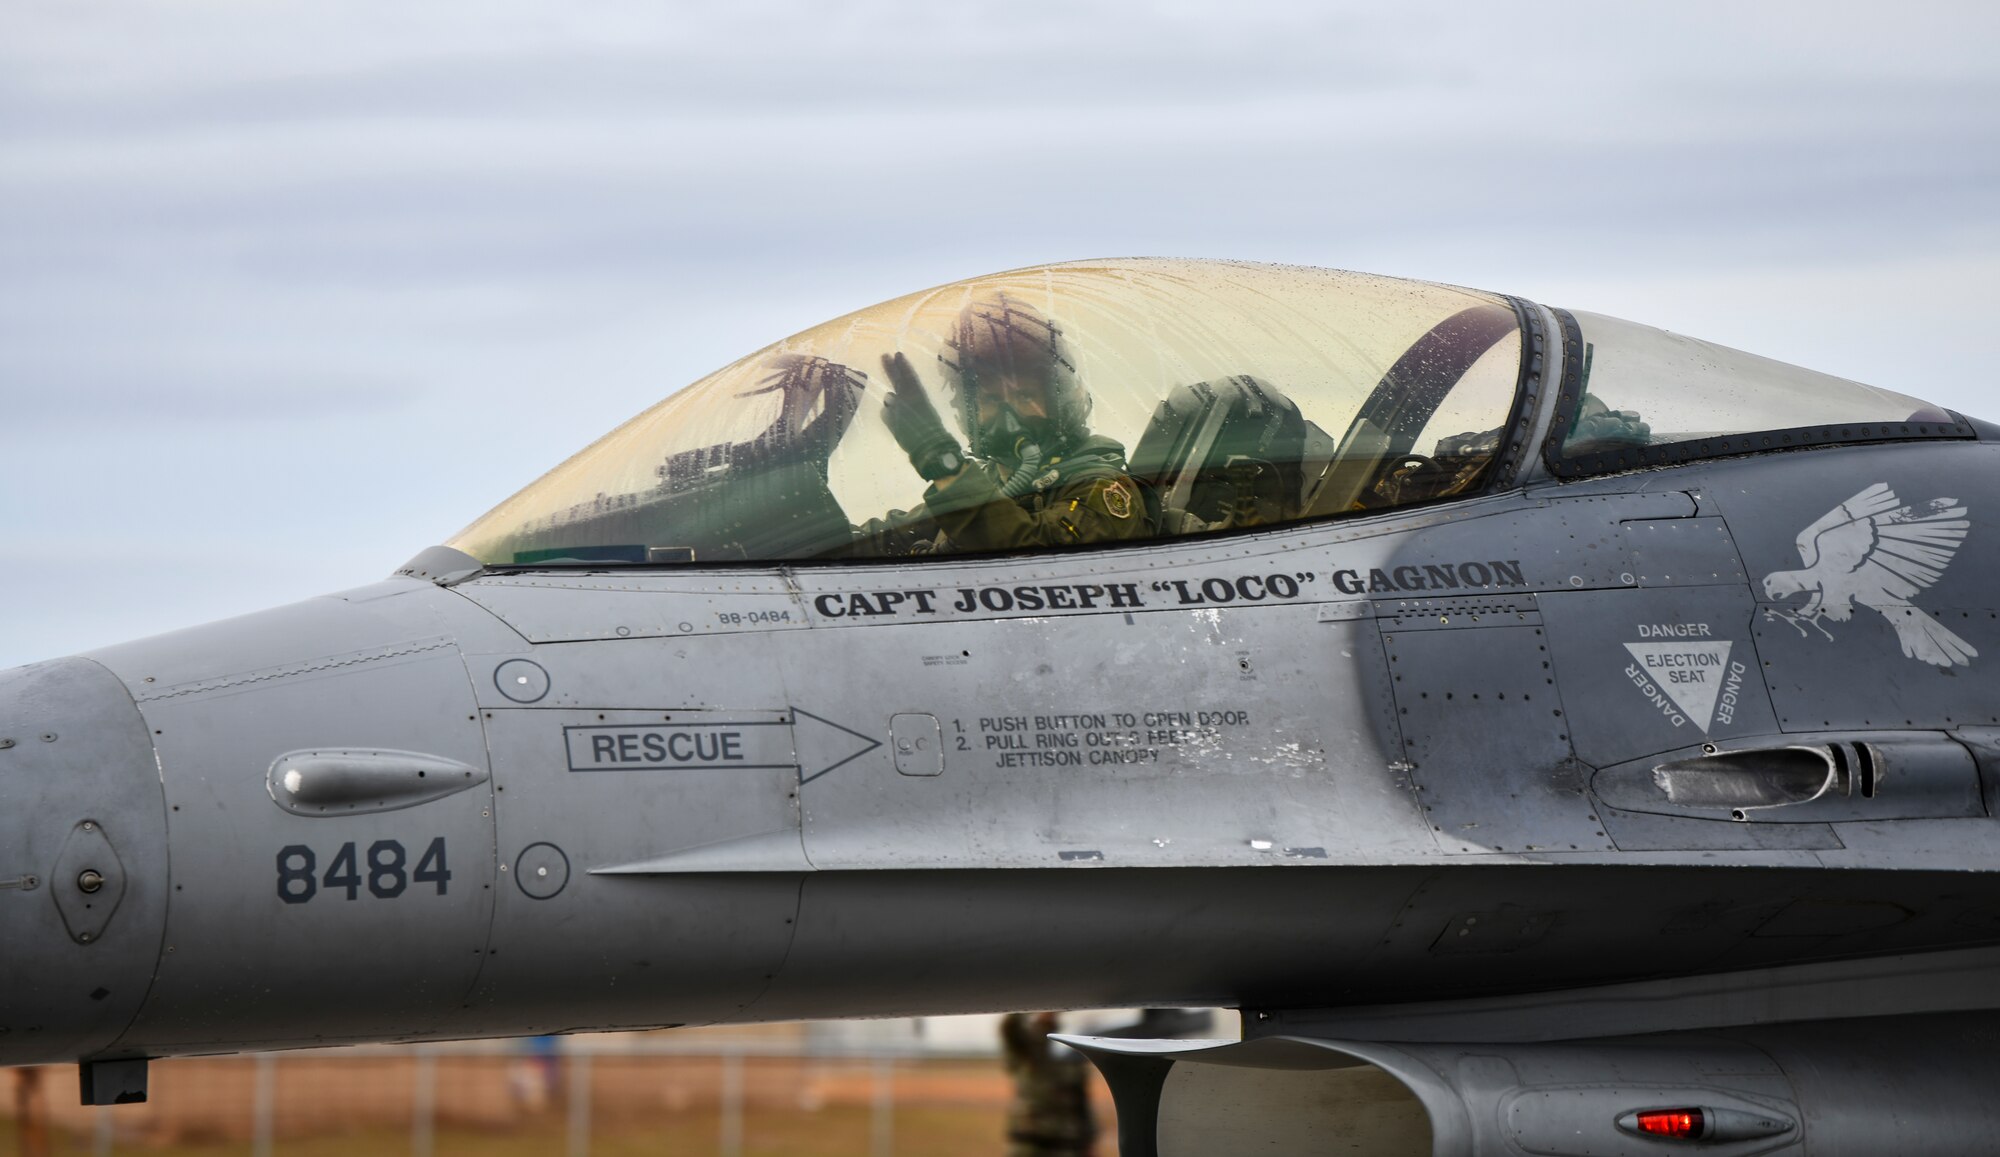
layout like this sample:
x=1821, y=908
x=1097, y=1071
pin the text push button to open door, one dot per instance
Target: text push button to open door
x=918, y=742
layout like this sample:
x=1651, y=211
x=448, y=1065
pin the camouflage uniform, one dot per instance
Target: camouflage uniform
x=1050, y=1115
x=1083, y=496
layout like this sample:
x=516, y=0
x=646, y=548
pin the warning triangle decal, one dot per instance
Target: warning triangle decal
x=1689, y=673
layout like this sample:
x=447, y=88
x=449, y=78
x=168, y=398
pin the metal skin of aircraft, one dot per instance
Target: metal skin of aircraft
x=1582, y=729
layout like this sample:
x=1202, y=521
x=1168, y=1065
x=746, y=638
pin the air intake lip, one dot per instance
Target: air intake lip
x=1291, y=1096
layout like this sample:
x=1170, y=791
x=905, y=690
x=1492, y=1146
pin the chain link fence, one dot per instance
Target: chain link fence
x=745, y=1095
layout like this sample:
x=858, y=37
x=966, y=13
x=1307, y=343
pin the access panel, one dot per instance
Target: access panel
x=1484, y=730
x=1234, y=735
x=1655, y=670
x=265, y=892
x=610, y=823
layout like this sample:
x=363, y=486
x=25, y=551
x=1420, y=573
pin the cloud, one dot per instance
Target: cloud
x=319, y=282
x=65, y=394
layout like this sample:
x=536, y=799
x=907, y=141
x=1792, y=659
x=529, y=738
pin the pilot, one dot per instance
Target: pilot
x=1035, y=474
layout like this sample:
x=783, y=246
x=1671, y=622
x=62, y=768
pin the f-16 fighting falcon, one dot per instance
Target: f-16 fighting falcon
x=1467, y=690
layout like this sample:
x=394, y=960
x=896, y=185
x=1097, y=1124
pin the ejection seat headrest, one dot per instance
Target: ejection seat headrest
x=1197, y=430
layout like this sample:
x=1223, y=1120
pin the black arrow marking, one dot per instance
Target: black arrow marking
x=806, y=779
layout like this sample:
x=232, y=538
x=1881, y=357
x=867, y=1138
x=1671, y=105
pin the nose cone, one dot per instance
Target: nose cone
x=83, y=862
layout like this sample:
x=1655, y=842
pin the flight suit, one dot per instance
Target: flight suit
x=1082, y=496
x=1051, y=1114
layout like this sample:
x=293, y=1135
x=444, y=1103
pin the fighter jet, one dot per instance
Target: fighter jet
x=1556, y=734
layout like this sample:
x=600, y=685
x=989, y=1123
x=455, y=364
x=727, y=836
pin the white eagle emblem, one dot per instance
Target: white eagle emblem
x=1869, y=550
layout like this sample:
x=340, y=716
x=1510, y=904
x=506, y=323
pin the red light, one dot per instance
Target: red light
x=1684, y=1123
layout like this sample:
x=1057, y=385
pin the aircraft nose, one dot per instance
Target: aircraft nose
x=83, y=863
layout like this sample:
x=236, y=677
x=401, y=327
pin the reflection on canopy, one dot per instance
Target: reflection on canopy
x=1642, y=388
x=1057, y=406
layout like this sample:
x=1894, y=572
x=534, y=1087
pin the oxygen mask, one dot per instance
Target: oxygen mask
x=1010, y=439
x=1020, y=444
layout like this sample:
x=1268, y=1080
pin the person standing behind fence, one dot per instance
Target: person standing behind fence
x=537, y=1079
x=31, y=1114
x=1050, y=1115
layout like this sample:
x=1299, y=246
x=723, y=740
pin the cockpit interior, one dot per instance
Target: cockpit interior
x=1206, y=396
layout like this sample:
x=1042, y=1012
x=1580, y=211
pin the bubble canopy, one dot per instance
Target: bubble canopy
x=1635, y=396
x=1164, y=397
x=1084, y=404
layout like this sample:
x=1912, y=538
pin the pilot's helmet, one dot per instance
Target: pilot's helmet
x=1001, y=334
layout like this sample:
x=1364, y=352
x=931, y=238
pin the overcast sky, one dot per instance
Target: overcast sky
x=290, y=291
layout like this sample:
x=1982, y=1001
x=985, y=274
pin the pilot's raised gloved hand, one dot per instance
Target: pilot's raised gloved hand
x=914, y=421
